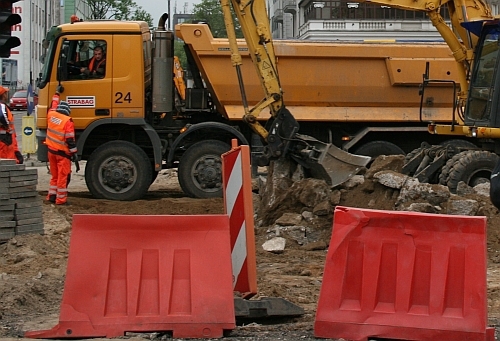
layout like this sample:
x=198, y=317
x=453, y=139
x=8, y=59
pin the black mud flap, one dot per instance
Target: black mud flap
x=265, y=307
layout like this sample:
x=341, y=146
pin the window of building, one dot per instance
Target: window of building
x=349, y=9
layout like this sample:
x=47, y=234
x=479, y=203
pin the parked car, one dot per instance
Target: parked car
x=19, y=101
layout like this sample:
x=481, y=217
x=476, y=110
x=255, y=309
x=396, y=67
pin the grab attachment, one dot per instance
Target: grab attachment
x=326, y=161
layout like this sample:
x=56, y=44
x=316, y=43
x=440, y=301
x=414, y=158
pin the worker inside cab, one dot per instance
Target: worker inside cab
x=85, y=59
x=96, y=67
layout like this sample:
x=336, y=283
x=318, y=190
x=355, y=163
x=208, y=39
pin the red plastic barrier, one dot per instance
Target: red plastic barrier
x=404, y=275
x=238, y=205
x=145, y=274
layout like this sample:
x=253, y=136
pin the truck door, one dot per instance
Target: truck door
x=82, y=69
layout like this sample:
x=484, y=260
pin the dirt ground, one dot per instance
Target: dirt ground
x=32, y=267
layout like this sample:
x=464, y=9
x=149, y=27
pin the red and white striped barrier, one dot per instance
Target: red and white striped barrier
x=237, y=184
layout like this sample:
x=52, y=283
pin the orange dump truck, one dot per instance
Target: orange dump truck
x=131, y=122
x=364, y=97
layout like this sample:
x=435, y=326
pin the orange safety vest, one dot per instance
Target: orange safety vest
x=56, y=132
x=10, y=118
x=91, y=65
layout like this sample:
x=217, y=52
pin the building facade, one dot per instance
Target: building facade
x=349, y=20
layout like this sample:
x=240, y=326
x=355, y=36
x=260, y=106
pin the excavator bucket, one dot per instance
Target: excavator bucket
x=326, y=161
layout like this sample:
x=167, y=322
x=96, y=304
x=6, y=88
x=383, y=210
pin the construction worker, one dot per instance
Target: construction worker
x=8, y=138
x=62, y=150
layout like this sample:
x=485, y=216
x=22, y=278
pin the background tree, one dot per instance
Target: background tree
x=210, y=11
x=117, y=9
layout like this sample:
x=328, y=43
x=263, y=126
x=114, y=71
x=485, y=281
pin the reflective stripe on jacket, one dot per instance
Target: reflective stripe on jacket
x=7, y=117
x=60, y=129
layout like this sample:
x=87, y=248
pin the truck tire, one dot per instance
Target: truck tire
x=200, y=169
x=472, y=167
x=376, y=148
x=118, y=170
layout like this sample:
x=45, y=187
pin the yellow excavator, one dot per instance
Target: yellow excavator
x=474, y=40
x=321, y=160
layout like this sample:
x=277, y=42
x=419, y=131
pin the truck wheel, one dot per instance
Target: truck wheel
x=200, y=169
x=472, y=167
x=118, y=170
x=376, y=148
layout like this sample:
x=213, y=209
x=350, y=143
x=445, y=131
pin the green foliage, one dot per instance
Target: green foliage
x=180, y=53
x=117, y=9
x=210, y=11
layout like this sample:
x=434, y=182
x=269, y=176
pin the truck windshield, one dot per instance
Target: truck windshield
x=483, y=77
x=50, y=42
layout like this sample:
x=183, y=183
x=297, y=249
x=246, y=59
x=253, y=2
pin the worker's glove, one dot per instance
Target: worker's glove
x=74, y=158
x=19, y=157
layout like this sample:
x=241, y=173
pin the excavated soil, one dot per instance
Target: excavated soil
x=32, y=267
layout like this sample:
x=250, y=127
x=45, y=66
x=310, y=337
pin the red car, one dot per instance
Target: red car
x=19, y=101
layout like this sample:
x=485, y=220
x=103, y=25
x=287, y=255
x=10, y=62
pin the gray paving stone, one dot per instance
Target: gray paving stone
x=23, y=183
x=7, y=233
x=19, y=189
x=38, y=220
x=23, y=194
x=11, y=168
x=32, y=228
x=34, y=209
x=23, y=172
x=22, y=217
x=7, y=224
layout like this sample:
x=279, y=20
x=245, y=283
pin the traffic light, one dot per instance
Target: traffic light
x=7, y=20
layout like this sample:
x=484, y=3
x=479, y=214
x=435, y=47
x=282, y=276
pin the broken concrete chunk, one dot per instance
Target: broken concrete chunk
x=390, y=178
x=462, y=207
x=386, y=162
x=356, y=180
x=323, y=208
x=335, y=197
x=275, y=245
x=483, y=189
x=289, y=219
x=413, y=190
x=311, y=192
x=423, y=207
x=315, y=246
x=464, y=189
x=307, y=215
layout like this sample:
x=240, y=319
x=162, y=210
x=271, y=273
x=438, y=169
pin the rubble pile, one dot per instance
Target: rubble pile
x=20, y=204
x=302, y=210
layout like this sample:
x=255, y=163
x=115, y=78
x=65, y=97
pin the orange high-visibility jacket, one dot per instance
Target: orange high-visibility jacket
x=9, y=129
x=60, y=131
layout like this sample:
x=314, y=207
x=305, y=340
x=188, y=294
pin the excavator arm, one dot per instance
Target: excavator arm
x=322, y=160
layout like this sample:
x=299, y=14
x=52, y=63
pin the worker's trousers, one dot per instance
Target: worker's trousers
x=7, y=152
x=60, y=169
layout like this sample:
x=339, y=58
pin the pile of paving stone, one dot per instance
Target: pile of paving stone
x=20, y=203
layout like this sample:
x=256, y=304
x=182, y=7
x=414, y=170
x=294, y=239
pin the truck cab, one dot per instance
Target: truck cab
x=128, y=120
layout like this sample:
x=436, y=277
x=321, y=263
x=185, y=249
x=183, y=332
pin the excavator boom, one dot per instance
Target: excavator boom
x=281, y=134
